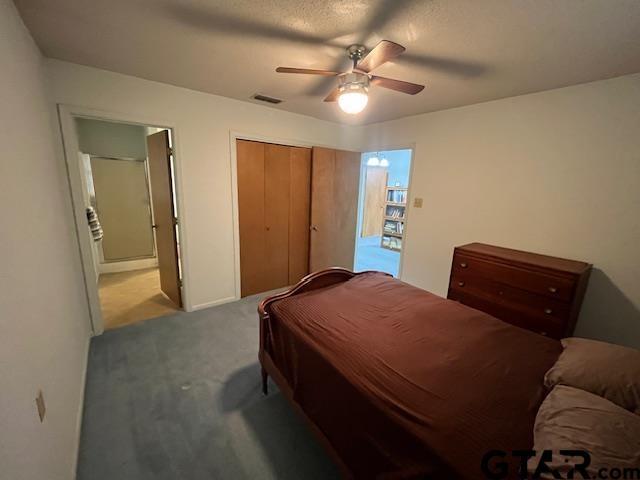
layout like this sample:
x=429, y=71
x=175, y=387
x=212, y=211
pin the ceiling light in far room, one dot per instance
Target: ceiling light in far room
x=354, y=92
x=384, y=162
x=373, y=161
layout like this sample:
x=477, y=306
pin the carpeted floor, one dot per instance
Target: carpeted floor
x=179, y=398
x=371, y=256
x=128, y=297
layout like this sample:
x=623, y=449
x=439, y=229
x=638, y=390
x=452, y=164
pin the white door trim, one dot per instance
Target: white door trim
x=66, y=115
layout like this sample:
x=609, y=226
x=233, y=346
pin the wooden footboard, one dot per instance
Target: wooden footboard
x=313, y=281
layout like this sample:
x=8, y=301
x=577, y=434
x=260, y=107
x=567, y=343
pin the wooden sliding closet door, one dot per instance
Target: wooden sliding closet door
x=299, y=213
x=273, y=204
x=276, y=213
x=251, y=213
x=335, y=180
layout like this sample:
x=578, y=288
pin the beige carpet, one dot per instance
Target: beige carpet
x=130, y=297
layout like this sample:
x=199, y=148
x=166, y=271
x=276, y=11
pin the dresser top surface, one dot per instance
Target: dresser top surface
x=545, y=261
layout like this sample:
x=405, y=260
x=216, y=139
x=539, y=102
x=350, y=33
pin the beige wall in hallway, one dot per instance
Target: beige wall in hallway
x=43, y=311
x=555, y=172
x=124, y=208
x=111, y=139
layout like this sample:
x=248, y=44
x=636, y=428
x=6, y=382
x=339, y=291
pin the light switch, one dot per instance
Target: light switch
x=417, y=202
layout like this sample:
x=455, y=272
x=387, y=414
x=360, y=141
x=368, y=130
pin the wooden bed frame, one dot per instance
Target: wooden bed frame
x=313, y=281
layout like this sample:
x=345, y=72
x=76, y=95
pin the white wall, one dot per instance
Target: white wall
x=556, y=172
x=43, y=309
x=203, y=123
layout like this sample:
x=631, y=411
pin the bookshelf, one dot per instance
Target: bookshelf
x=393, y=221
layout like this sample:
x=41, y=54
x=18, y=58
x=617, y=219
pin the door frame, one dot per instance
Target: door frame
x=407, y=223
x=70, y=143
x=235, y=135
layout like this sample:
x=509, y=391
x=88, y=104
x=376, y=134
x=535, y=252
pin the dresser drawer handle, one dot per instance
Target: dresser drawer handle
x=461, y=284
x=548, y=311
x=463, y=265
x=553, y=289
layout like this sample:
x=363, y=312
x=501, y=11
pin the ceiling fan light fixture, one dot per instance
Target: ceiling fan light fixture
x=354, y=92
x=353, y=102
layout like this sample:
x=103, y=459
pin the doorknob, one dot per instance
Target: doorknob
x=314, y=228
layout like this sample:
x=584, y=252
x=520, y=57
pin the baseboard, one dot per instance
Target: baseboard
x=202, y=306
x=127, y=265
x=83, y=386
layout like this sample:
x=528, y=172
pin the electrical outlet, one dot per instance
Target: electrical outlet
x=417, y=202
x=41, y=406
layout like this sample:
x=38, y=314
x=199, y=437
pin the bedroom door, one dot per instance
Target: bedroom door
x=164, y=216
x=273, y=210
x=335, y=179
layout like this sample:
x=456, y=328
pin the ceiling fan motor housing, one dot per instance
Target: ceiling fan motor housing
x=356, y=52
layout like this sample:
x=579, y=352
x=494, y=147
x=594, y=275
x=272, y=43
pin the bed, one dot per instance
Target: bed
x=397, y=382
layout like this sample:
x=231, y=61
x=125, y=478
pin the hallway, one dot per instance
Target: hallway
x=130, y=297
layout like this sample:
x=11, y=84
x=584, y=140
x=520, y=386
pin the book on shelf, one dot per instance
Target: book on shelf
x=392, y=242
x=395, y=212
x=397, y=196
x=393, y=226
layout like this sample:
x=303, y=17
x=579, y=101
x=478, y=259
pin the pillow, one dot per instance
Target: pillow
x=608, y=370
x=572, y=419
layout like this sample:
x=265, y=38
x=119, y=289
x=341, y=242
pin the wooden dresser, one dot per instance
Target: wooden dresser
x=532, y=291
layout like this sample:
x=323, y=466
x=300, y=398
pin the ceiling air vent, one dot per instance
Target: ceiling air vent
x=264, y=98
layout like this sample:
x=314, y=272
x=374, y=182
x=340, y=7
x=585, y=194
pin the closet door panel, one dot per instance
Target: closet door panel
x=251, y=212
x=299, y=213
x=345, y=194
x=322, y=177
x=277, y=199
x=335, y=180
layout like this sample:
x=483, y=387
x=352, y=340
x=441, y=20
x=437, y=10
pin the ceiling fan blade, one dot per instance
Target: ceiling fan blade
x=326, y=73
x=397, y=85
x=333, y=96
x=381, y=53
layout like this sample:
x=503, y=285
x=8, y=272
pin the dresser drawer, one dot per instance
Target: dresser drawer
x=551, y=286
x=512, y=314
x=500, y=293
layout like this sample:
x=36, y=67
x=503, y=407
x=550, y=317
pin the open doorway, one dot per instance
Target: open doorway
x=128, y=194
x=383, y=210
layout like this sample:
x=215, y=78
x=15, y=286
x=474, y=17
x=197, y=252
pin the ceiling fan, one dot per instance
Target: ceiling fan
x=352, y=93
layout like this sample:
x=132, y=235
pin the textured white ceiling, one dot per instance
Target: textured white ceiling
x=464, y=51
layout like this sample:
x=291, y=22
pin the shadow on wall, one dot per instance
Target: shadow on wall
x=608, y=314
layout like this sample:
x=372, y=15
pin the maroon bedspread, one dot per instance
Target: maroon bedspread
x=405, y=384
